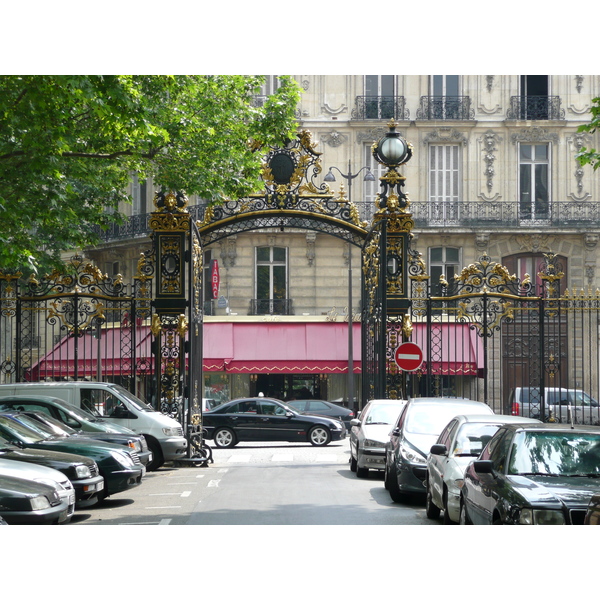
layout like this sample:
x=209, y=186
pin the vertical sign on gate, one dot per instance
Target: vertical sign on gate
x=214, y=278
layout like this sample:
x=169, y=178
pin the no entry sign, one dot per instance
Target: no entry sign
x=409, y=356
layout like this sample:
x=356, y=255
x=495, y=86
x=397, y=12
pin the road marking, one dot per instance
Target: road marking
x=221, y=471
x=184, y=483
x=240, y=458
x=186, y=494
x=282, y=457
x=214, y=483
x=165, y=522
x=166, y=494
x=160, y=507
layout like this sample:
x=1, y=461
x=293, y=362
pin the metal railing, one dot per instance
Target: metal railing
x=543, y=108
x=260, y=306
x=445, y=108
x=380, y=107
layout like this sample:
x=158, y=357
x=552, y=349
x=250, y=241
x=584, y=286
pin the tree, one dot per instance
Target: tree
x=69, y=144
x=588, y=156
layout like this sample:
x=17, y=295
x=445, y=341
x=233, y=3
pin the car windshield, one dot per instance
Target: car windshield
x=28, y=435
x=471, y=438
x=52, y=424
x=569, y=453
x=383, y=414
x=430, y=419
x=582, y=399
x=137, y=403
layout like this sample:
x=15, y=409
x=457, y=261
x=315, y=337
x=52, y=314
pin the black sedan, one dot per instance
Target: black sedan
x=534, y=474
x=120, y=467
x=324, y=409
x=27, y=502
x=82, y=471
x=267, y=420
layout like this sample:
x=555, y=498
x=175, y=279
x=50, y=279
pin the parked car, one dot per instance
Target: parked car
x=82, y=471
x=267, y=420
x=411, y=438
x=132, y=441
x=533, y=474
x=592, y=515
x=33, y=472
x=369, y=434
x=323, y=408
x=117, y=405
x=561, y=405
x=120, y=467
x=27, y=502
x=460, y=442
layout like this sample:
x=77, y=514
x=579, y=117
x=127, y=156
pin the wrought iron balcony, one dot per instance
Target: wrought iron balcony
x=542, y=108
x=445, y=108
x=259, y=306
x=503, y=214
x=380, y=107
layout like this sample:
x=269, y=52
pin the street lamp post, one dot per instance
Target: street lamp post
x=349, y=177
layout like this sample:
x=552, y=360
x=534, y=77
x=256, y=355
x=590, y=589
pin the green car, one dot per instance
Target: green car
x=120, y=466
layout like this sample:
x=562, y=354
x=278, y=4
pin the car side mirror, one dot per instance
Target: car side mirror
x=483, y=467
x=289, y=414
x=439, y=450
x=396, y=431
x=355, y=422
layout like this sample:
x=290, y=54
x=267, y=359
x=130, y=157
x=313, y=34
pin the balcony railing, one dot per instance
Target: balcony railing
x=571, y=214
x=259, y=306
x=445, y=108
x=503, y=214
x=380, y=107
x=542, y=108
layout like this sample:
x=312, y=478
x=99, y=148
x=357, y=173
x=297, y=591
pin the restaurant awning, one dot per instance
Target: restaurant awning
x=259, y=347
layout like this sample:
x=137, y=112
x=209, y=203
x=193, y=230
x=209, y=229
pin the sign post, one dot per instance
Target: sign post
x=409, y=356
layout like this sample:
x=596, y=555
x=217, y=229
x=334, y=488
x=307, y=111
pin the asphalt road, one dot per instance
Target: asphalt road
x=259, y=484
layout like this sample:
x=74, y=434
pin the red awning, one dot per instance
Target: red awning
x=259, y=347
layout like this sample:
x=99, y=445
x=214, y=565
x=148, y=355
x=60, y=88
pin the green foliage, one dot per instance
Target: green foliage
x=591, y=156
x=68, y=146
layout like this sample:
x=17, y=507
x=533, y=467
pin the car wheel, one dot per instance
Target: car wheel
x=353, y=463
x=431, y=510
x=362, y=472
x=386, y=477
x=224, y=438
x=157, y=455
x=447, y=519
x=319, y=436
x=392, y=487
x=464, y=517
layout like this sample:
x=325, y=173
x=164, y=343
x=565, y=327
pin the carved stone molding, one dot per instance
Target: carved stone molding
x=534, y=134
x=591, y=240
x=334, y=138
x=334, y=111
x=445, y=134
x=311, y=237
x=535, y=242
x=372, y=135
x=482, y=240
x=489, y=140
x=228, y=251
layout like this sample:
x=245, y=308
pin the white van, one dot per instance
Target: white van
x=115, y=404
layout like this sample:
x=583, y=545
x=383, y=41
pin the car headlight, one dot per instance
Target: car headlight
x=531, y=516
x=39, y=503
x=410, y=455
x=82, y=472
x=373, y=444
x=123, y=459
x=171, y=431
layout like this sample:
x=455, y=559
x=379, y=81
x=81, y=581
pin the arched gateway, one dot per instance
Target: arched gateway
x=487, y=333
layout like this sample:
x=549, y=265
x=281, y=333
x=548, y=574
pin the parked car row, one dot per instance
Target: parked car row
x=475, y=467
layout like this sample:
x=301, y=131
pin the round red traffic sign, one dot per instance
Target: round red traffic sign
x=409, y=356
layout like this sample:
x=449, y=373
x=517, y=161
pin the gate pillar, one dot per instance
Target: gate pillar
x=394, y=223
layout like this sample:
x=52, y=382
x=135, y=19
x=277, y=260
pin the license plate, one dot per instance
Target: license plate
x=72, y=499
x=143, y=470
x=100, y=486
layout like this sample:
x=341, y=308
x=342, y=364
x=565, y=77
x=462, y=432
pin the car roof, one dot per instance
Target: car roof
x=31, y=397
x=494, y=418
x=566, y=427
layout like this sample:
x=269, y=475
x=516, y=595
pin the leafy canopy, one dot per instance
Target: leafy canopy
x=591, y=156
x=68, y=146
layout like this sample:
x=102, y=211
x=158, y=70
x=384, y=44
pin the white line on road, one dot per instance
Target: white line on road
x=160, y=507
x=214, y=483
x=240, y=458
x=186, y=494
x=282, y=457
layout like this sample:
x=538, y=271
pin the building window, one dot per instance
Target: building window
x=534, y=196
x=446, y=102
x=371, y=188
x=379, y=96
x=271, y=281
x=138, y=193
x=442, y=261
x=534, y=95
x=444, y=183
